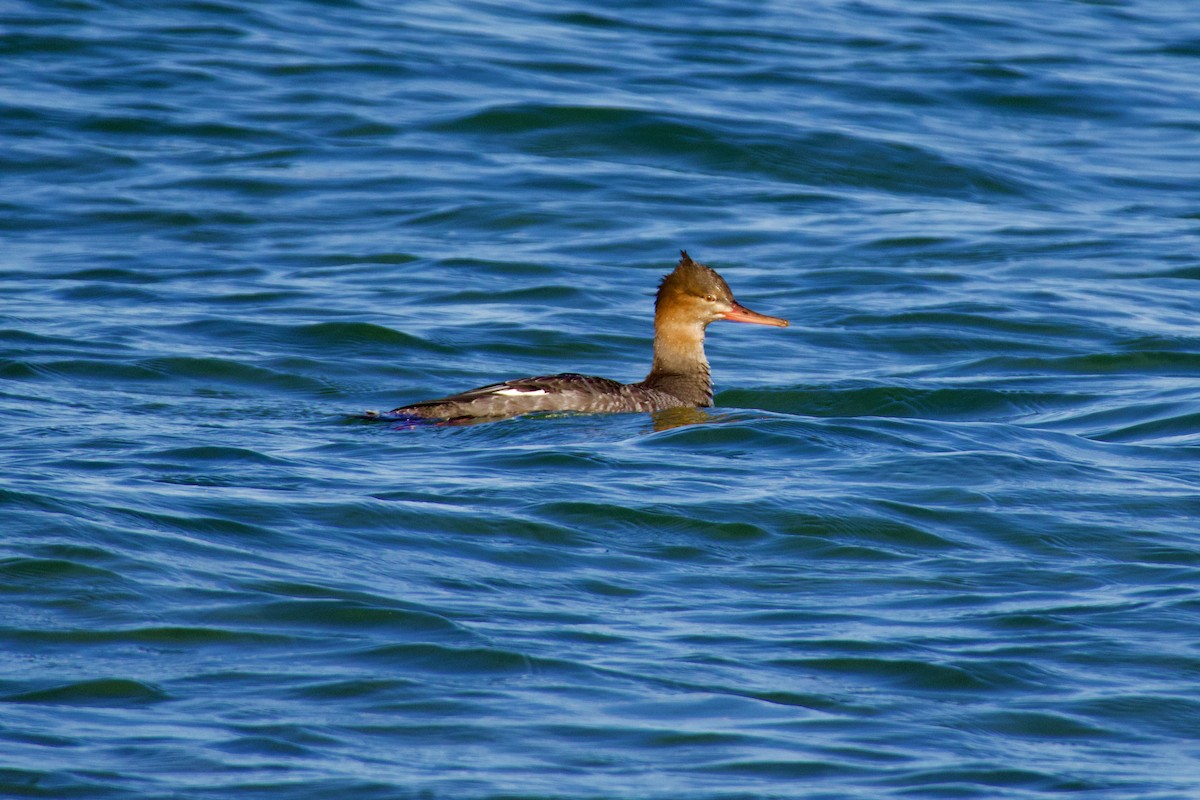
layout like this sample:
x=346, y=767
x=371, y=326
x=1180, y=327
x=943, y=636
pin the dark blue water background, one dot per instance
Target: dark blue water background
x=937, y=540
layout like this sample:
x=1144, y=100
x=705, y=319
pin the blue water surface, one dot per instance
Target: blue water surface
x=937, y=539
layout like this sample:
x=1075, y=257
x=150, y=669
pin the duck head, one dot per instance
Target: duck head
x=696, y=294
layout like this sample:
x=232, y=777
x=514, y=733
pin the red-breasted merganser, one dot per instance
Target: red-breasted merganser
x=688, y=300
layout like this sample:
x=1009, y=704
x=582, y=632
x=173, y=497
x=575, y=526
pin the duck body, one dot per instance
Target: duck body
x=688, y=299
x=567, y=391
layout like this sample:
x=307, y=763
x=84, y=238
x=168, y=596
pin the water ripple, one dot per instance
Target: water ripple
x=935, y=539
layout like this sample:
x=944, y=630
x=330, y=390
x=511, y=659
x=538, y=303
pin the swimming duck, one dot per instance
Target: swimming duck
x=688, y=299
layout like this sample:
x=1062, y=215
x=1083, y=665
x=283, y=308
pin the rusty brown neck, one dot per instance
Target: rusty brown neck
x=679, y=367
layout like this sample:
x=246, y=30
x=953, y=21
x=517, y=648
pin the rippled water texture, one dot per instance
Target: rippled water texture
x=938, y=539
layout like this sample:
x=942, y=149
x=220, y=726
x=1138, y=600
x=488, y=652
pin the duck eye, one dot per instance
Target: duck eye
x=712, y=298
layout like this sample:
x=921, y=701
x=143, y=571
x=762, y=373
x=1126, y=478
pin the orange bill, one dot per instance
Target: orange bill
x=739, y=313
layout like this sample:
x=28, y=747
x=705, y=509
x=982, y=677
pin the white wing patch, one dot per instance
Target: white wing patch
x=511, y=392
